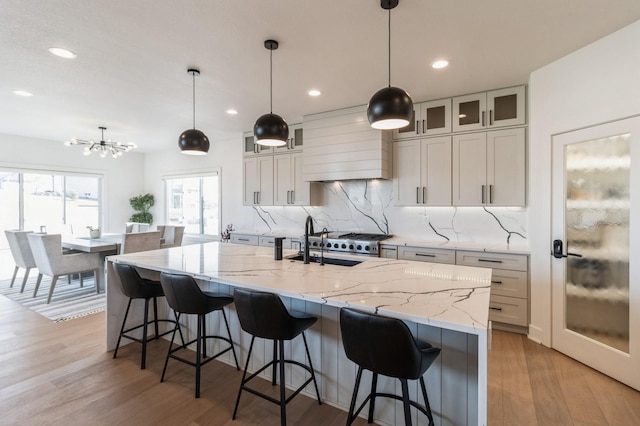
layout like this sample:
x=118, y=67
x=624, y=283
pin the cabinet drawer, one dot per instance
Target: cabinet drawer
x=509, y=310
x=513, y=262
x=389, y=252
x=251, y=240
x=270, y=242
x=427, y=255
x=509, y=283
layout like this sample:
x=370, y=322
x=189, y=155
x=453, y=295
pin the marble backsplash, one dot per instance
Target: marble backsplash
x=367, y=206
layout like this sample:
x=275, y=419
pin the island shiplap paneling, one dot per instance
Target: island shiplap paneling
x=342, y=145
x=453, y=397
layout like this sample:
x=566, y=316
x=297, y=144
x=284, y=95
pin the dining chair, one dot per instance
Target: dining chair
x=51, y=261
x=136, y=227
x=171, y=235
x=140, y=241
x=21, y=252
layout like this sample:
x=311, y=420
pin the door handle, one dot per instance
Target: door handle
x=417, y=127
x=490, y=117
x=417, y=195
x=423, y=126
x=258, y=197
x=483, y=113
x=288, y=202
x=292, y=197
x=424, y=195
x=558, y=250
x=490, y=194
x=482, y=190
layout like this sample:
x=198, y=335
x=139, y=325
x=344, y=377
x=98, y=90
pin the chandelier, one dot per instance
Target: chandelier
x=103, y=147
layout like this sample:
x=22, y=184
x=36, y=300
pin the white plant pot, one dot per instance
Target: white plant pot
x=94, y=233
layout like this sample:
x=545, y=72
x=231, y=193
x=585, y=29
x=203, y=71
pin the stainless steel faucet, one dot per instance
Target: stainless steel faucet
x=308, y=229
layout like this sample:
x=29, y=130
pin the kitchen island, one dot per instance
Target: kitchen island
x=446, y=305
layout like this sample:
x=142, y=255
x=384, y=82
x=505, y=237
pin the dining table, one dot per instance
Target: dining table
x=108, y=244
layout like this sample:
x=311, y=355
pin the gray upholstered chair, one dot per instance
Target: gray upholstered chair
x=50, y=260
x=21, y=251
x=136, y=227
x=140, y=241
x=172, y=235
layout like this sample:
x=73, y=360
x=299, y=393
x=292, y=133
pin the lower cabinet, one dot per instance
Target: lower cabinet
x=509, y=305
x=261, y=240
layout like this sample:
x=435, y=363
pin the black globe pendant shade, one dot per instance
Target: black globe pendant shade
x=391, y=107
x=271, y=129
x=193, y=141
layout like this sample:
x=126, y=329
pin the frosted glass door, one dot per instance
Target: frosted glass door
x=593, y=287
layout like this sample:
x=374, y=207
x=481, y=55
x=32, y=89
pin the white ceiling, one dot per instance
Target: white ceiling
x=131, y=72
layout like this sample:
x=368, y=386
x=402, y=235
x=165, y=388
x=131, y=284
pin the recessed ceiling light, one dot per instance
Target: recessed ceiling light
x=314, y=92
x=439, y=64
x=232, y=111
x=22, y=93
x=63, y=53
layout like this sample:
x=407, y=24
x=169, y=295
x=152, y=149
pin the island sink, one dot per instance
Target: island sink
x=328, y=260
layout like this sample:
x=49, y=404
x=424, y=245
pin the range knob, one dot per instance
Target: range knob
x=328, y=245
x=350, y=246
x=344, y=246
x=367, y=248
x=359, y=247
x=315, y=243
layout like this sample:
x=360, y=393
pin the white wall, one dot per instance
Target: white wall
x=596, y=84
x=122, y=177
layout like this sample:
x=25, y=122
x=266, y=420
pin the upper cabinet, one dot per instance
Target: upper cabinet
x=258, y=181
x=422, y=172
x=251, y=148
x=489, y=168
x=429, y=118
x=295, y=141
x=496, y=108
x=290, y=189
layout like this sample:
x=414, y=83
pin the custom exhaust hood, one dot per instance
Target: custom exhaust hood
x=341, y=145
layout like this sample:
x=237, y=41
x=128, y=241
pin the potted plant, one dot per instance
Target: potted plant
x=141, y=204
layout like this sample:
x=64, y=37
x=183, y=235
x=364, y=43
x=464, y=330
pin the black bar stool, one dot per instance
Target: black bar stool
x=135, y=287
x=185, y=297
x=385, y=346
x=264, y=315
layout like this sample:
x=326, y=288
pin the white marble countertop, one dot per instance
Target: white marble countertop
x=446, y=296
x=514, y=248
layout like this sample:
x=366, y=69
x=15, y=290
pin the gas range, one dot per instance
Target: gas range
x=346, y=242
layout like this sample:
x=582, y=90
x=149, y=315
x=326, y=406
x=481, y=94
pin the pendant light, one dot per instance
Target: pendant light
x=193, y=141
x=391, y=107
x=271, y=129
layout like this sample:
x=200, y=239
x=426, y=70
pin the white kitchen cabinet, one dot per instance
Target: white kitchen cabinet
x=489, y=168
x=250, y=148
x=246, y=239
x=294, y=142
x=509, y=305
x=258, y=181
x=422, y=172
x=429, y=118
x=496, y=108
x=388, y=251
x=289, y=184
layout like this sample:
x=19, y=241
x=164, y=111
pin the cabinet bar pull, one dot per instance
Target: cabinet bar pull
x=496, y=282
x=293, y=197
x=482, y=192
x=243, y=239
x=490, y=260
x=388, y=248
x=417, y=195
x=424, y=195
x=425, y=255
x=258, y=197
x=288, y=202
x=483, y=118
x=490, y=117
x=494, y=308
x=417, y=127
x=490, y=194
x=423, y=131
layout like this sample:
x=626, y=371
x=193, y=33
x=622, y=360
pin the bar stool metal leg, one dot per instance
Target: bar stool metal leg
x=244, y=376
x=426, y=401
x=350, y=416
x=313, y=374
x=405, y=402
x=372, y=401
x=283, y=399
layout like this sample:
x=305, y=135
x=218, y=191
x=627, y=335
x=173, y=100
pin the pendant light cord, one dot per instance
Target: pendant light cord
x=389, y=47
x=270, y=81
x=193, y=75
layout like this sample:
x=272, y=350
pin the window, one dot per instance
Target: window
x=57, y=203
x=194, y=201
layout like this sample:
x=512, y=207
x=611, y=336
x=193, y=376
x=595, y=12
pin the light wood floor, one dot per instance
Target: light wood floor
x=58, y=374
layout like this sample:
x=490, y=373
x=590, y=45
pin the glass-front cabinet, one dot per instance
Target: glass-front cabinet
x=295, y=140
x=429, y=118
x=251, y=148
x=496, y=108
